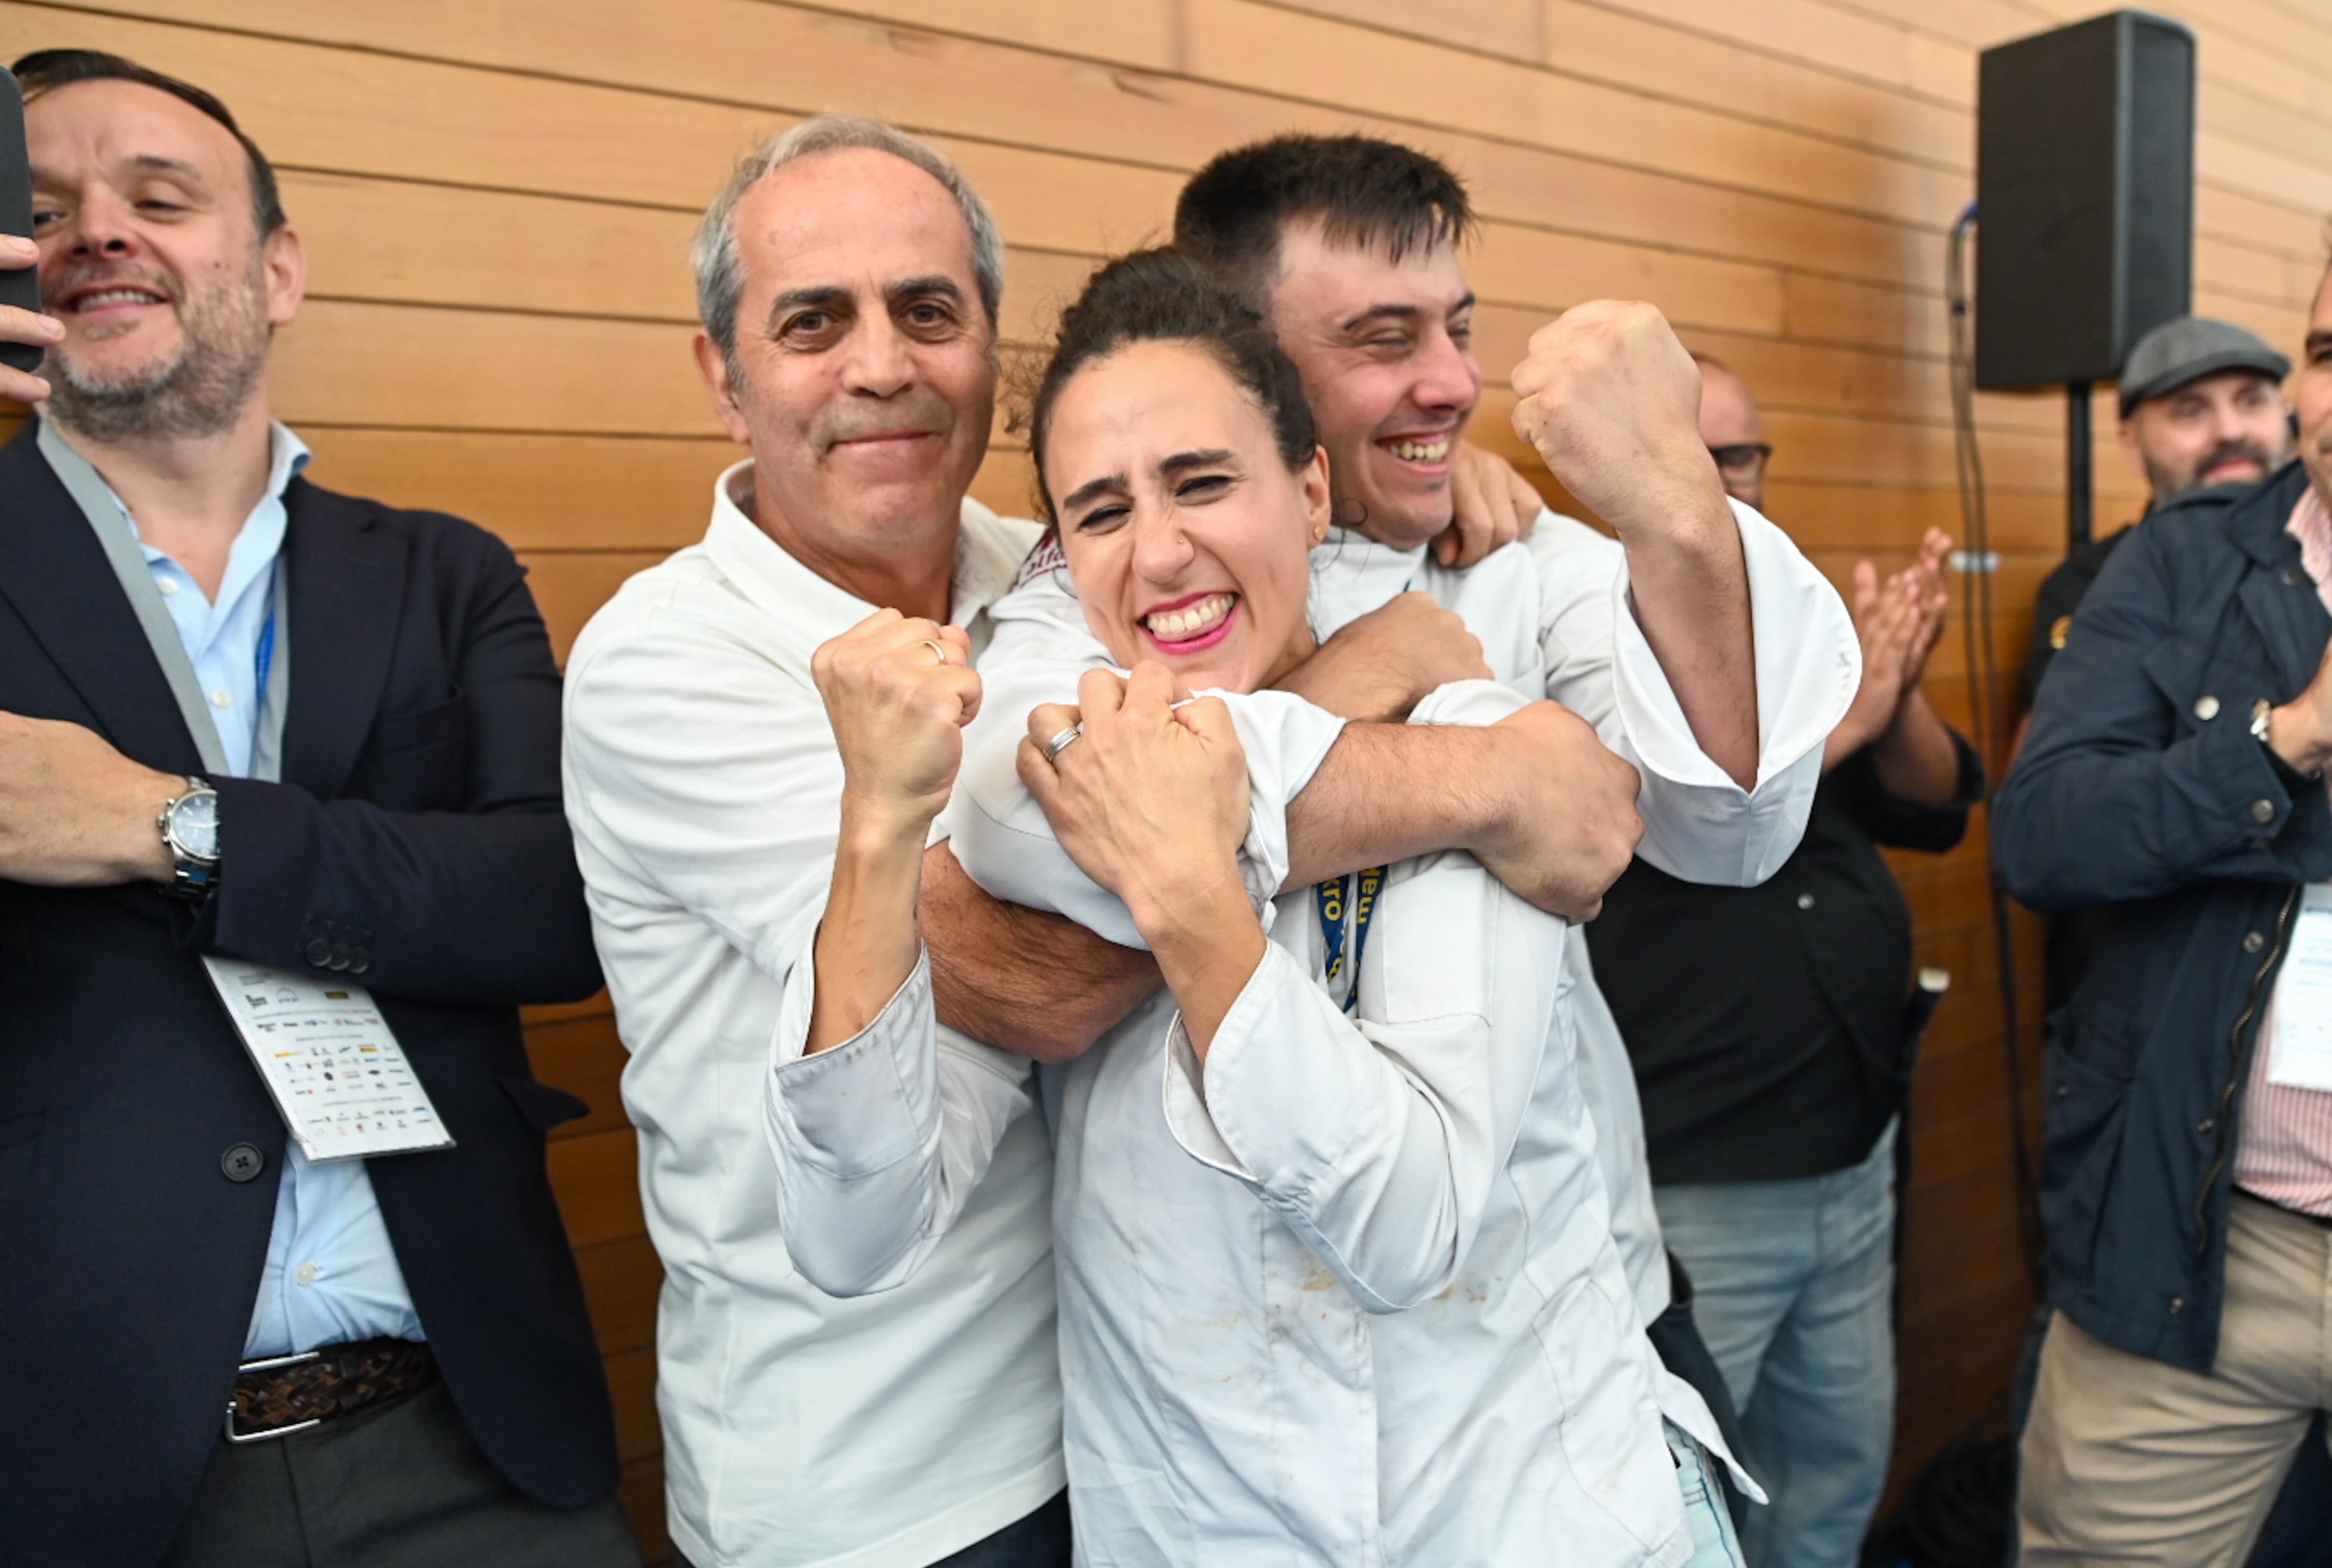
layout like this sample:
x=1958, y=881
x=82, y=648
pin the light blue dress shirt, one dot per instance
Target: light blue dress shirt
x=332, y=1274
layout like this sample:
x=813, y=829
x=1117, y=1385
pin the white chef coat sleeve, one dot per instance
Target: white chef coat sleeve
x=710, y=771
x=1377, y=1138
x=880, y=1140
x=998, y=831
x=1699, y=824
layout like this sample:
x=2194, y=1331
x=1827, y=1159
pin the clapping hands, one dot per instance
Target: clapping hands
x=1899, y=620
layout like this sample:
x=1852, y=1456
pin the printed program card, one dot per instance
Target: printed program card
x=327, y=1056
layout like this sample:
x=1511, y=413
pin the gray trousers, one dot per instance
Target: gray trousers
x=398, y=1485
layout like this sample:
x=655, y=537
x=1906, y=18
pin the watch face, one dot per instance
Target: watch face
x=194, y=825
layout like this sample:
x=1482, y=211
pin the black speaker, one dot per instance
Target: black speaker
x=2085, y=198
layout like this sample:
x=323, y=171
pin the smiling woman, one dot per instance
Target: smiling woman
x=1362, y=1233
x=1186, y=547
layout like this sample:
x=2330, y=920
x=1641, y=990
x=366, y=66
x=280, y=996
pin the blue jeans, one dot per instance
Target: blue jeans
x=1714, y=1543
x=1794, y=1283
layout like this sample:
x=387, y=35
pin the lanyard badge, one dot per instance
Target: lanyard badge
x=1356, y=898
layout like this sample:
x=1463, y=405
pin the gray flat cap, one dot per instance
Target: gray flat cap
x=2189, y=349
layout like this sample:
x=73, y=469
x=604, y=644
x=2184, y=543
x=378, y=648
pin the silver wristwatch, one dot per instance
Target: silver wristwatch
x=2262, y=716
x=189, y=828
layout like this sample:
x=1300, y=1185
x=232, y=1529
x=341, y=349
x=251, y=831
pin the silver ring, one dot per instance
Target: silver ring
x=1060, y=743
x=933, y=644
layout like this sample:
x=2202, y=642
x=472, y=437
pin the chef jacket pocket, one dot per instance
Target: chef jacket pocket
x=1610, y=1427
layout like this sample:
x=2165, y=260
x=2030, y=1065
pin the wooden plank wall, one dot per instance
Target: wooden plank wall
x=497, y=193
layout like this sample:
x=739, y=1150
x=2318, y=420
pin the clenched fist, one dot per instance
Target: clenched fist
x=1612, y=403
x=1383, y=664
x=1150, y=799
x=899, y=691
x=1571, y=825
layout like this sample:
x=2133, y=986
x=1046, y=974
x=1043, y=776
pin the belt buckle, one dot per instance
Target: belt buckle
x=269, y=1363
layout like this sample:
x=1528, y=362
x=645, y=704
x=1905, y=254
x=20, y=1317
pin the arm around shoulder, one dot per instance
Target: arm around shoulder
x=1017, y=978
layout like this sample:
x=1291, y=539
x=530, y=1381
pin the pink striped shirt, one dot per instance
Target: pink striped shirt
x=2284, y=1152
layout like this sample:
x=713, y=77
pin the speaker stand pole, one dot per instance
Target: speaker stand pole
x=2077, y=463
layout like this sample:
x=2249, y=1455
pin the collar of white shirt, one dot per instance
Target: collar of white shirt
x=989, y=550
x=1356, y=574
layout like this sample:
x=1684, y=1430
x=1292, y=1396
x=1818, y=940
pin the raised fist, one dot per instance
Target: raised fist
x=1612, y=403
x=899, y=691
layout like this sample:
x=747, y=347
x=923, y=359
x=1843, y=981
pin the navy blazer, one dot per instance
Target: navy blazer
x=417, y=840
x=2142, y=793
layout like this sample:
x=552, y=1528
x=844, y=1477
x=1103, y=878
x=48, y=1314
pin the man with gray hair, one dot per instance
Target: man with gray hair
x=759, y=733
x=848, y=281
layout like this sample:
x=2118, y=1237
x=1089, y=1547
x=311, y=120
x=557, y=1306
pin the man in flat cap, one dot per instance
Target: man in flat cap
x=2202, y=408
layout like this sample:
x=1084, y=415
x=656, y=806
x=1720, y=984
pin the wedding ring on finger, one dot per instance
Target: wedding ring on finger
x=1061, y=742
x=937, y=652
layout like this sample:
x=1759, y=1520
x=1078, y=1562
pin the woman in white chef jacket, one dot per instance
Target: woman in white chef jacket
x=1337, y=1277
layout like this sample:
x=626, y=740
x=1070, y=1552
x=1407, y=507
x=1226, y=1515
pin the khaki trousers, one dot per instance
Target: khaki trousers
x=2127, y=1459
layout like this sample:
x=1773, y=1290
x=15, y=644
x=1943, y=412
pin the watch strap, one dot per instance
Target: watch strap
x=2292, y=779
x=192, y=877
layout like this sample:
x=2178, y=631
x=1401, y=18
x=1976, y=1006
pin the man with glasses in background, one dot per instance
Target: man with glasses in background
x=1773, y=1086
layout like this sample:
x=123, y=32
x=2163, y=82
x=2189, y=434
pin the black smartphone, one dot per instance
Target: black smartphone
x=19, y=286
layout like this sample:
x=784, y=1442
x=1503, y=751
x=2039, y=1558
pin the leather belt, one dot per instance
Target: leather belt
x=282, y=1394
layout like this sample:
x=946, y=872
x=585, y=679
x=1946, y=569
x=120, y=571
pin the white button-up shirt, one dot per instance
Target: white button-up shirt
x=1428, y=1287
x=705, y=794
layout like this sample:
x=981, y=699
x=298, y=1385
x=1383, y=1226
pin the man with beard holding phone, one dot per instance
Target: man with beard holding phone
x=313, y=741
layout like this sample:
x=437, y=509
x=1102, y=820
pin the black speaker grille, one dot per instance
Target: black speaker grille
x=2085, y=159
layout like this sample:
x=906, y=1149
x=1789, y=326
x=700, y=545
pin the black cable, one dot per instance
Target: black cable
x=1983, y=674
x=1960, y=1512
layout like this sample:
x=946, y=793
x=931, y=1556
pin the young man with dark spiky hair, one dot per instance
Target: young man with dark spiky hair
x=1351, y=247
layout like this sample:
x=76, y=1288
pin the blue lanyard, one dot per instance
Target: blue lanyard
x=265, y=660
x=1331, y=898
